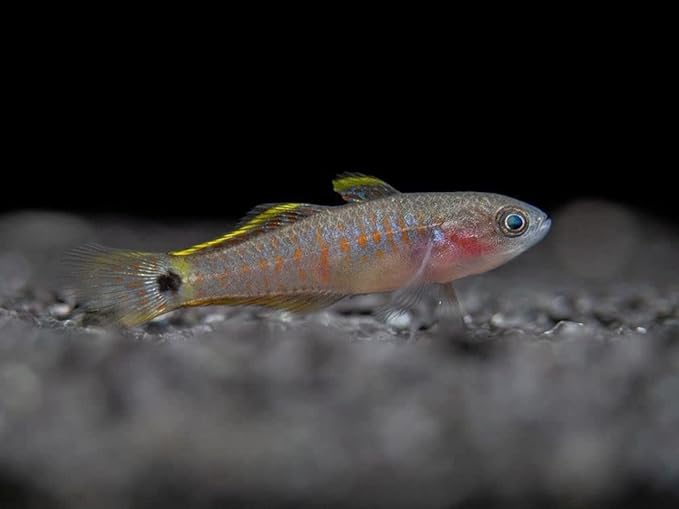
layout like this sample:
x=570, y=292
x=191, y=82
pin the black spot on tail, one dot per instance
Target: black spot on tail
x=169, y=282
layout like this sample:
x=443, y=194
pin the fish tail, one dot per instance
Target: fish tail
x=127, y=287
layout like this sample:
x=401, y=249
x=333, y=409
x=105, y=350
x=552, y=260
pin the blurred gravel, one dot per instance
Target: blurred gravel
x=564, y=392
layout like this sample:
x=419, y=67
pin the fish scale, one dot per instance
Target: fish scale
x=301, y=256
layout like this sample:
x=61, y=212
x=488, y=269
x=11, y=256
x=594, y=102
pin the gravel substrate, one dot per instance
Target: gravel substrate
x=563, y=392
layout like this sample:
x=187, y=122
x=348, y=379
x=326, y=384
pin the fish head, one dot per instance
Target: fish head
x=480, y=231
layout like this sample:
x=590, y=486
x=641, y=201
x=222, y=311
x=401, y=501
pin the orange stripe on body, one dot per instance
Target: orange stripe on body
x=376, y=236
x=388, y=232
x=362, y=240
x=297, y=258
x=261, y=280
x=325, y=264
x=404, y=230
x=344, y=245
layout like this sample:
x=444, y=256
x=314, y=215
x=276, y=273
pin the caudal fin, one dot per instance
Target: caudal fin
x=127, y=287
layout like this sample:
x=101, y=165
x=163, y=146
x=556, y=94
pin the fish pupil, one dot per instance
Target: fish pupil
x=169, y=282
x=514, y=222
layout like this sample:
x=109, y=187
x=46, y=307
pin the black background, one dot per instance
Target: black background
x=182, y=129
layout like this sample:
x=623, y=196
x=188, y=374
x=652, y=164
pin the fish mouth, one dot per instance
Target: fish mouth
x=542, y=229
x=546, y=225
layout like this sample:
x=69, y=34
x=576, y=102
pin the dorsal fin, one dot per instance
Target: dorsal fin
x=358, y=187
x=262, y=218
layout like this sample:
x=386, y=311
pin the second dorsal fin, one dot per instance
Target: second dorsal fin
x=262, y=218
x=355, y=187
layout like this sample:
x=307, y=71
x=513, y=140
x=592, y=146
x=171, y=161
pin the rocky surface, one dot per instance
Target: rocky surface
x=564, y=390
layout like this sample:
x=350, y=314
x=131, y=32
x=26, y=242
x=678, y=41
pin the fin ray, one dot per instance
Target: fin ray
x=424, y=303
x=303, y=302
x=121, y=286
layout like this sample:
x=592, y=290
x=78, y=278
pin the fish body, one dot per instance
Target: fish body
x=302, y=256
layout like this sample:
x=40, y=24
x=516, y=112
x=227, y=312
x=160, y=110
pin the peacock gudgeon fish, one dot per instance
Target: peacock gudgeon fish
x=301, y=257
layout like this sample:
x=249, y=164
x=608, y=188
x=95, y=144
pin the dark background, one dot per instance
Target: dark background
x=564, y=391
x=165, y=130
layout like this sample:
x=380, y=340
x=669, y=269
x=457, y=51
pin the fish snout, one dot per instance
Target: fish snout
x=546, y=224
x=543, y=227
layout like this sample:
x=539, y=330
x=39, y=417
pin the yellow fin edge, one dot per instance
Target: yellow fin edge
x=343, y=183
x=252, y=224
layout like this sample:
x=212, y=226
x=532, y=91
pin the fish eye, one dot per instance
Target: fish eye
x=513, y=222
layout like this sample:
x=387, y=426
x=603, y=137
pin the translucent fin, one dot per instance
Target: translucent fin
x=402, y=302
x=260, y=219
x=449, y=313
x=448, y=305
x=416, y=305
x=355, y=187
x=298, y=303
x=126, y=287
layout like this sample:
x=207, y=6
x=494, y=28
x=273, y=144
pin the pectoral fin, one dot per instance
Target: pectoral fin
x=416, y=305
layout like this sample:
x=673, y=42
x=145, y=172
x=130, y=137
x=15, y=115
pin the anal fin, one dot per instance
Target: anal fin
x=301, y=302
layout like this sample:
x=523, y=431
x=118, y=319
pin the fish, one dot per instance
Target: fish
x=303, y=257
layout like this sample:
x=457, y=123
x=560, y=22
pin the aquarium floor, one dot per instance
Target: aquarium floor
x=563, y=391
